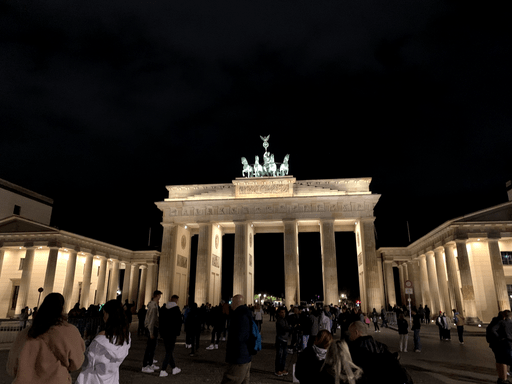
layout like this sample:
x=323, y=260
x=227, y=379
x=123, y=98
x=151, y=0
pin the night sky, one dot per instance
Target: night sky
x=103, y=104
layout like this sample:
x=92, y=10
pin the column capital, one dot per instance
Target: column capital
x=429, y=253
x=450, y=245
x=439, y=249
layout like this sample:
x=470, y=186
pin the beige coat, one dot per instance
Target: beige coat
x=47, y=358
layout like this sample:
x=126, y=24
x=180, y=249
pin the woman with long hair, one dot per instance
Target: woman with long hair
x=108, y=349
x=48, y=350
x=327, y=361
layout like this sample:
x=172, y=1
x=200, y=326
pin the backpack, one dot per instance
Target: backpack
x=254, y=343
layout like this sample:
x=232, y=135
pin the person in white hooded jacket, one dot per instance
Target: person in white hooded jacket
x=108, y=349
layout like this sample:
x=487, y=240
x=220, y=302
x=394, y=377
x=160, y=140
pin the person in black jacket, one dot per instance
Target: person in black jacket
x=193, y=328
x=170, y=329
x=238, y=355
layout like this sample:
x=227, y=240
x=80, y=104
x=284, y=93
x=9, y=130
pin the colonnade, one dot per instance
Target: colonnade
x=174, y=272
x=464, y=273
x=41, y=266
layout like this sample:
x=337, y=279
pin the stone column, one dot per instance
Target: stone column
x=240, y=263
x=390, y=282
x=142, y=287
x=86, y=281
x=373, y=289
x=425, y=289
x=410, y=276
x=126, y=282
x=467, y=289
x=26, y=277
x=204, y=262
x=2, y=252
x=167, y=261
x=432, y=282
x=69, y=280
x=291, y=263
x=453, y=276
x=498, y=274
x=51, y=268
x=401, y=276
x=441, y=278
x=416, y=284
x=113, y=283
x=134, y=280
x=100, y=296
x=329, y=267
x=151, y=283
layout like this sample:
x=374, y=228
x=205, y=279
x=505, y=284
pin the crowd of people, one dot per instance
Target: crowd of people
x=97, y=340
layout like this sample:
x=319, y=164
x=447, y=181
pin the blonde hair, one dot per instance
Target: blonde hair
x=323, y=339
x=339, y=360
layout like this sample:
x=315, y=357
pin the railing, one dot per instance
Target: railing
x=9, y=329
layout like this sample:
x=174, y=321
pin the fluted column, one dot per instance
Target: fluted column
x=142, y=287
x=425, y=289
x=401, y=277
x=113, y=283
x=26, y=277
x=416, y=282
x=69, y=280
x=166, y=272
x=444, y=294
x=2, y=252
x=51, y=268
x=151, y=282
x=329, y=267
x=432, y=282
x=86, y=281
x=100, y=296
x=134, y=280
x=467, y=289
x=126, y=281
x=453, y=276
x=498, y=274
x=390, y=282
x=373, y=289
x=241, y=276
x=203, y=265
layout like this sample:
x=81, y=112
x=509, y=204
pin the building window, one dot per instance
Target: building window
x=17, y=210
x=22, y=261
x=506, y=257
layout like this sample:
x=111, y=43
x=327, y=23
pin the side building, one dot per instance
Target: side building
x=464, y=264
x=34, y=255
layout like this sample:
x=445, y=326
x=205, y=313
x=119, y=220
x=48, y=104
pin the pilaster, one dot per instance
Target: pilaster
x=390, y=282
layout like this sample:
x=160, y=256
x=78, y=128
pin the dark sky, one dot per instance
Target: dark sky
x=103, y=104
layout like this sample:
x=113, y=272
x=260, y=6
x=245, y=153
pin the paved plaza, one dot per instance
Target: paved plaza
x=439, y=361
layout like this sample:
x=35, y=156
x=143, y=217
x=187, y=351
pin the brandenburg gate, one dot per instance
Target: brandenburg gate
x=264, y=203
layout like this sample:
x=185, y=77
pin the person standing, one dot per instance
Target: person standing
x=151, y=323
x=375, y=319
x=427, y=314
x=193, y=329
x=238, y=355
x=170, y=329
x=403, y=332
x=416, y=325
x=282, y=334
x=460, y=321
x=258, y=316
x=48, y=350
x=109, y=348
x=141, y=315
x=217, y=321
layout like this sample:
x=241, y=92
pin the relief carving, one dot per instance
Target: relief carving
x=182, y=261
x=215, y=261
x=263, y=189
